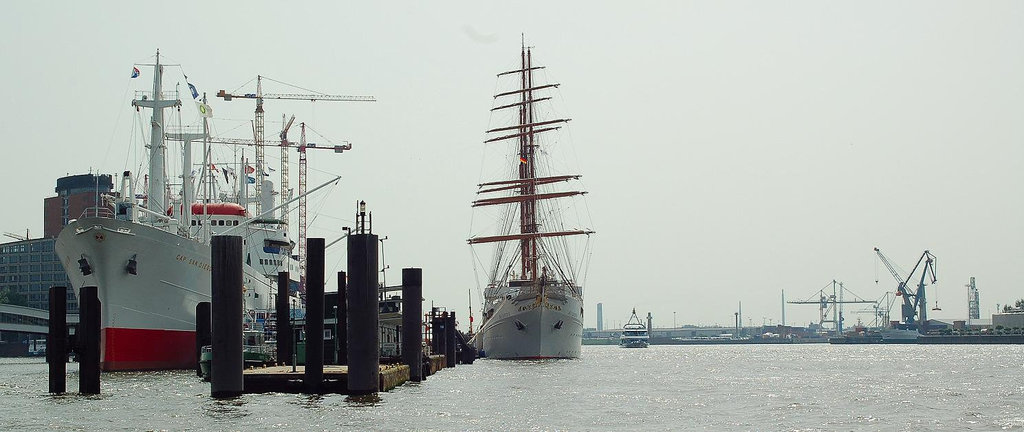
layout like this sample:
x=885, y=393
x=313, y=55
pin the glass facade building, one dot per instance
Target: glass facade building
x=30, y=268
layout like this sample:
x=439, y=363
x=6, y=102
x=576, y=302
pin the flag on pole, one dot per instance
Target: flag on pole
x=213, y=167
x=192, y=88
x=249, y=169
x=205, y=110
x=135, y=72
x=522, y=159
x=251, y=179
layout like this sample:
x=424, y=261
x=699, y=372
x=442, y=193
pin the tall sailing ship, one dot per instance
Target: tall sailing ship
x=533, y=300
x=149, y=255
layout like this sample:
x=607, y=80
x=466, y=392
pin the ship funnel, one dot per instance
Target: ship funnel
x=267, y=194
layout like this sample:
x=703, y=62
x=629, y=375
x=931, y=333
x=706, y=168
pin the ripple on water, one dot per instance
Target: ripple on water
x=740, y=387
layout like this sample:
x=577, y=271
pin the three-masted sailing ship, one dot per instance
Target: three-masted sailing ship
x=533, y=300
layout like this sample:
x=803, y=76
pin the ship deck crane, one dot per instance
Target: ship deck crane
x=914, y=312
x=259, y=96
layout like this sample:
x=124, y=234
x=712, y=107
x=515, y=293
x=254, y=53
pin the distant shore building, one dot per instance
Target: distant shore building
x=75, y=195
x=29, y=267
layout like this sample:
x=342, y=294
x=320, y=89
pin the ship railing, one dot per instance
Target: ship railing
x=98, y=212
x=164, y=95
x=492, y=291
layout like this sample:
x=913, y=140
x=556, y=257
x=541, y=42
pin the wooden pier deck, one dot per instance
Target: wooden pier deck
x=281, y=379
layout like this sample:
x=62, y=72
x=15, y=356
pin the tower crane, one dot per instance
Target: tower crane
x=915, y=308
x=301, y=147
x=259, y=96
x=284, y=166
x=17, y=237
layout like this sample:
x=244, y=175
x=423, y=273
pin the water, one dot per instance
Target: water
x=735, y=387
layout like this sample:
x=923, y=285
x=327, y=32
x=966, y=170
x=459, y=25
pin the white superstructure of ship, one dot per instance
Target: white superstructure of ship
x=533, y=297
x=149, y=255
x=634, y=334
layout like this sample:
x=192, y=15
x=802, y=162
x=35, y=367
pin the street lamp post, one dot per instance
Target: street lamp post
x=673, y=319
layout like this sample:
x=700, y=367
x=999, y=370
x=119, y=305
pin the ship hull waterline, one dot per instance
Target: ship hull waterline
x=529, y=330
x=147, y=318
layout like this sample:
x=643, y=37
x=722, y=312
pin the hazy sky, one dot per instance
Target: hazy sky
x=732, y=150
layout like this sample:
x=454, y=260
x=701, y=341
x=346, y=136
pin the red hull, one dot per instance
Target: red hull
x=147, y=349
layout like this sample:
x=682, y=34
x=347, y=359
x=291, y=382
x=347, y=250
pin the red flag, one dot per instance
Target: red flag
x=249, y=169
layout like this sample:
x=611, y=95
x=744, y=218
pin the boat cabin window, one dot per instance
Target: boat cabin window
x=193, y=223
x=235, y=223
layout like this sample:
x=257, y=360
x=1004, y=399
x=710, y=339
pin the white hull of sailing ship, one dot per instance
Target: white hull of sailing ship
x=539, y=313
x=530, y=326
x=148, y=319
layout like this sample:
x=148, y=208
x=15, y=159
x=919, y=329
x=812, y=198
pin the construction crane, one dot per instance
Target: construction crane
x=259, y=96
x=831, y=305
x=301, y=147
x=18, y=237
x=914, y=312
x=285, y=189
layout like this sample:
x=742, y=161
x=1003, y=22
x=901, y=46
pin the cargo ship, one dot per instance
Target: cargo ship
x=149, y=255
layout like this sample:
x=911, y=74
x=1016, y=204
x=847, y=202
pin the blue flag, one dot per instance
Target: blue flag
x=195, y=94
x=135, y=72
x=251, y=179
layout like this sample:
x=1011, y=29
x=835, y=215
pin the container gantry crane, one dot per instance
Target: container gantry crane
x=259, y=96
x=830, y=306
x=914, y=312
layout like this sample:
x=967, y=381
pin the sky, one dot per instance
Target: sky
x=731, y=150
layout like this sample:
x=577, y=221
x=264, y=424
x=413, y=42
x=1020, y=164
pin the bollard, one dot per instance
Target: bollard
x=412, y=321
x=203, y=334
x=442, y=334
x=436, y=332
x=226, y=295
x=284, y=325
x=341, y=339
x=449, y=340
x=89, y=335
x=330, y=312
x=57, y=338
x=314, y=376
x=363, y=339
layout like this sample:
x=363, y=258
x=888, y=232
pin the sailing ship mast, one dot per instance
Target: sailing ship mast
x=526, y=131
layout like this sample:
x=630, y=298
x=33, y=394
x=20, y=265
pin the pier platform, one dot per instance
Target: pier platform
x=281, y=379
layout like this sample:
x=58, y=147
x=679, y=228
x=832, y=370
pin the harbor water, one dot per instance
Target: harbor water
x=730, y=387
